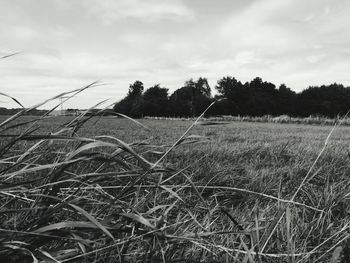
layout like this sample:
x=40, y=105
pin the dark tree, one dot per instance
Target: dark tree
x=263, y=98
x=135, y=89
x=330, y=100
x=192, y=99
x=233, y=96
x=254, y=98
x=287, y=101
x=155, y=101
x=132, y=104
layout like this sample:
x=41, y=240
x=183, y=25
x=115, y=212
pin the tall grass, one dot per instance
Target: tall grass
x=70, y=198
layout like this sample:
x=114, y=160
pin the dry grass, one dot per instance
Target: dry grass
x=105, y=189
x=313, y=120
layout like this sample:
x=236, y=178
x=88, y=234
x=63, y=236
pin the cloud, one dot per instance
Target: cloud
x=251, y=27
x=297, y=42
x=23, y=33
x=42, y=74
x=278, y=26
x=293, y=41
x=110, y=11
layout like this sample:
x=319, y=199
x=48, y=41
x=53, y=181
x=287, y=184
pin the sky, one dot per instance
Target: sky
x=67, y=44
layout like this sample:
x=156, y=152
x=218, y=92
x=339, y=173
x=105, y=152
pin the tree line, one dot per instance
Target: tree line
x=253, y=98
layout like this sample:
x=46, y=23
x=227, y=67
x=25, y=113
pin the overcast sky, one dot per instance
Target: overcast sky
x=67, y=44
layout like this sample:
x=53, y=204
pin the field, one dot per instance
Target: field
x=229, y=192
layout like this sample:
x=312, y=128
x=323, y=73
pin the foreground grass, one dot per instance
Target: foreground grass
x=222, y=196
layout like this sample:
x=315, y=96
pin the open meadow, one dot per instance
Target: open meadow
x=174, y=131
x=232, y=192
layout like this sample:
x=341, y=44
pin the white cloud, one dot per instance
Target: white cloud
x=23, y=33
x=40, y=75
x=110, y=11
x=251, y=27
x=282, y=26
x=294, y=41
x=315, y=58
x=246, y=57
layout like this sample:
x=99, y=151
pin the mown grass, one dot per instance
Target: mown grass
x=87, y=191
x=313, y=120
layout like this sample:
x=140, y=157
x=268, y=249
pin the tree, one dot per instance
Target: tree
x=287, y=101
x=155, y=101
x=156, y=92
x=135, y=89
x=263, y=98
x=131, y=105
x=254, y=98
x=233, y=95
x=192, y=99
x=328, y=100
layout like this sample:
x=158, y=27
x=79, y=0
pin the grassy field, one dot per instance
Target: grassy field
x=226, y=193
